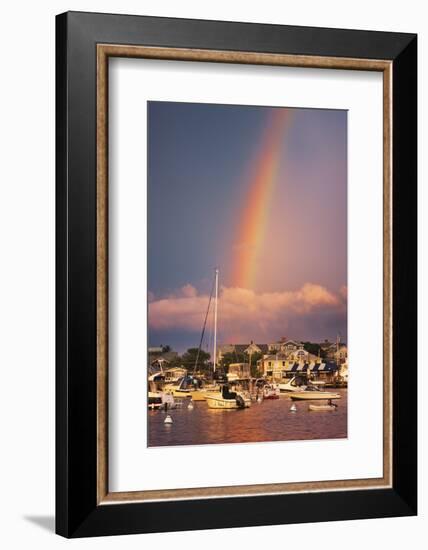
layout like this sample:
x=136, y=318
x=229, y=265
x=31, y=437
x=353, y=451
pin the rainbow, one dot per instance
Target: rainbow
x=252, y=227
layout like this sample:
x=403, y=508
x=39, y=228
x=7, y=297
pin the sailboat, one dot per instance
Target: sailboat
x=225, y=398
x=193, y=385
x=188, y=386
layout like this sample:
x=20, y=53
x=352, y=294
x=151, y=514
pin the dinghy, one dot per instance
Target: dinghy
x=327, y=407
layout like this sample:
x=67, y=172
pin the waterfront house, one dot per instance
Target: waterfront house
x=341, y=354
x=248, y=349
x=285, y=345
x=290, y=350
x=274, y=365
x=253, y=348
x=343, y=372
x=278, y=365
x=281, y=366
x=336, y=352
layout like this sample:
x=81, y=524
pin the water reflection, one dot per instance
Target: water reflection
x=266, y=421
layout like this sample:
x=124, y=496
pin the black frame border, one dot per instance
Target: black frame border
x=77, y=512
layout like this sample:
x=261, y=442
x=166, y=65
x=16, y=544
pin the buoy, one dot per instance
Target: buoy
x=190, y=405
x=259, y=400
x=168, y=419
x=293, y=408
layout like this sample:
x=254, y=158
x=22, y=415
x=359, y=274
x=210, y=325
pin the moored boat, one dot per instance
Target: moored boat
x=313, y=393
x=321, y=408
x=156, y=398
x=154, y=401
x=271, y=391
x=188, y=386
x=290, y=385
x=195, y=386
x=226, y=399
x=161, y=400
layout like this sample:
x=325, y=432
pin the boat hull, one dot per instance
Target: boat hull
x=217, y=401
x=284, y=388
x=322, y=408
x=312, y=396
x=196, y=395
x=290, y=386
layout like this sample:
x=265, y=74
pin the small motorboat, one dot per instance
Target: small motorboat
x=291, y=385
x=226, y=399
x=187, y=386
x=271, y=391
x=154, y=401
x=161, y=400
x=313, y=392
x=328, y=407
x=154, y=395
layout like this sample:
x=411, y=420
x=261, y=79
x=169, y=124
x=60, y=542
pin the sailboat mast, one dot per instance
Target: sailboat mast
x=215, y=320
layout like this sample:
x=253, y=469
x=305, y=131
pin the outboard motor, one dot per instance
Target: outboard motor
x=240, y=401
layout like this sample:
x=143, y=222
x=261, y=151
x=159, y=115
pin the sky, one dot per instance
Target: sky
x=261, y=194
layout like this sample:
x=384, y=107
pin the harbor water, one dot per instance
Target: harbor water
x=270, y=420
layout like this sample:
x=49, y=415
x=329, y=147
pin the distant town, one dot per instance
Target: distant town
x=326, y=361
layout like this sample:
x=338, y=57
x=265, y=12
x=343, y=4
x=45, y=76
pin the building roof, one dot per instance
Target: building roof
x=241, y=348
x=296, y=342
x=226, y=348
x=313, y=367
x=283, y=342
x=172, y=369
x=326, y=344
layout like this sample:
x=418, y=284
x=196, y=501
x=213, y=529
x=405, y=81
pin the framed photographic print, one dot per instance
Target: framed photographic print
x=236, y=274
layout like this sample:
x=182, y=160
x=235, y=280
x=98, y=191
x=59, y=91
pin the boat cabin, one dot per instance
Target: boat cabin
x=174, y=374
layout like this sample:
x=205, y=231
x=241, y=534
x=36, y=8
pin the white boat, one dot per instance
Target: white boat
x=161, y=400
x=158, y=399
x=313, y=393
x=188, y=386
x=271, y=391
x=154, y=397
x=321, y=408
x=226, y=399
x=154, y=400
x=290, y=385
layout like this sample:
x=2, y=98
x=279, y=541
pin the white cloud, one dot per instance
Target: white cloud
x=243, y=313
